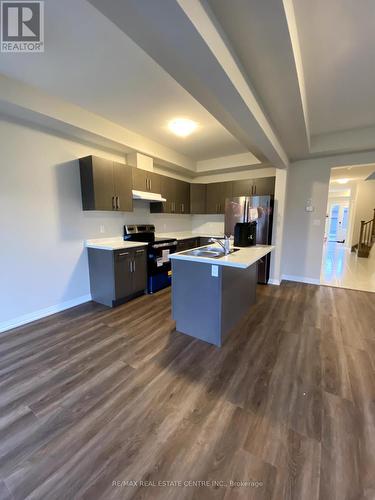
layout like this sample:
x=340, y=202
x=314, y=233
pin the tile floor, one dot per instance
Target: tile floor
x=343, y=269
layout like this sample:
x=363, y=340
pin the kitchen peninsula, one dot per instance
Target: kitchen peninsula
x=211, y=295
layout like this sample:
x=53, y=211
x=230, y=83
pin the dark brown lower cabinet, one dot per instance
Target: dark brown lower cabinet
x=187, y=244
x=117, y=276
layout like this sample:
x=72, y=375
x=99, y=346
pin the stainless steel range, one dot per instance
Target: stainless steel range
x=159, y=274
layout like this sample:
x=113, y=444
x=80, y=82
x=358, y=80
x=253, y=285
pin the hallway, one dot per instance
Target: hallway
x=342, y=268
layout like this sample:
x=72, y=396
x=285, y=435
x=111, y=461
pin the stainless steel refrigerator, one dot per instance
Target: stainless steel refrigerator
x=248, y=208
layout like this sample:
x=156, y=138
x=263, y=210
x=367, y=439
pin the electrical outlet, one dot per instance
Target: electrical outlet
x=215, y=271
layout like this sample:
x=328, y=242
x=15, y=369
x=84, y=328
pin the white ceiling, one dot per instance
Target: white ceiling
x=91, y=63
x=284, y=79
x=337, y=39
x=360, y=172
x=258, y=34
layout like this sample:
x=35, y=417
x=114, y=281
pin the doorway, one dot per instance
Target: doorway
x=350, y=200
x=337, y=221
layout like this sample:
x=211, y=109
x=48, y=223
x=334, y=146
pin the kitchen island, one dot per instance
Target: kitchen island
x=211, y=295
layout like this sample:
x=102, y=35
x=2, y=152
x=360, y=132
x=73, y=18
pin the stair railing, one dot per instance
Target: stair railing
x=366, y=234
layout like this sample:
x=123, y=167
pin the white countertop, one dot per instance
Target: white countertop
x=186, y=235
x=243, y=258
x=117, y=243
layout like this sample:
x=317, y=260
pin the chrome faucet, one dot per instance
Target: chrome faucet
x=224, y=243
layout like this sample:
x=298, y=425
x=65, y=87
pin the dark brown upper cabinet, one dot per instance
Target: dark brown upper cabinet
x=105, y=185
x=243, y=187
x=198, y=198
x=182, y=197
x=143, y=180
x=263, y=186
x=217, y=193
x=122, y=175
x=177, y=194
x=254, y=187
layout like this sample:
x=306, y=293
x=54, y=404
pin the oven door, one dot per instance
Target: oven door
x=158, y=257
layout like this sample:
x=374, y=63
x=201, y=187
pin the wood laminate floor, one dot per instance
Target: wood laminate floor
x=93, y=399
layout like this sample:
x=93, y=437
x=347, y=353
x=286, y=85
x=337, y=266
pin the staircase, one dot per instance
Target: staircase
x=366, y=238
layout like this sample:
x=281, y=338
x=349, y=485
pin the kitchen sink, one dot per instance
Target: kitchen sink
x=210, y=252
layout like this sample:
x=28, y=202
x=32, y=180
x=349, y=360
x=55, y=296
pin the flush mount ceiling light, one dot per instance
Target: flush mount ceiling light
x=342, y=181
x=182, y=126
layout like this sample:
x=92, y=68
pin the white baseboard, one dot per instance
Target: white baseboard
x=42, y=313
x=301, y=279
x=272, y=281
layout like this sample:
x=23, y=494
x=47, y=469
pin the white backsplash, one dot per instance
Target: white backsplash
x=208, y=224
x=164, y=223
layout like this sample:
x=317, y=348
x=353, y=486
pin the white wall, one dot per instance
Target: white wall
x=304, y=231
x=210, y=224
x=278, y=225
x=43, y=264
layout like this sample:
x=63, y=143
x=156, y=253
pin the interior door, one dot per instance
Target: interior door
x=338, y=217
x=343, y=224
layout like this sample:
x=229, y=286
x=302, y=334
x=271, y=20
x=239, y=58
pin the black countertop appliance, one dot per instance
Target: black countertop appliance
x=245, y=234
x=159, y=274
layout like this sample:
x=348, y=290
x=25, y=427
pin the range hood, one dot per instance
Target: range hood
x=145, y=195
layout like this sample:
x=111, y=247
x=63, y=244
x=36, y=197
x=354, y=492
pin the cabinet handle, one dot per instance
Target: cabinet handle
x=133, y=266
x=140, y=251
x=118, y=202
x=123, y=253
x=130, y=266
x=182, y=208
x=150, y=180
x=113, y=203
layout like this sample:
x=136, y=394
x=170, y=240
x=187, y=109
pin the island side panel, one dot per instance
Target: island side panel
x=196, y=300
x=238, y=295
